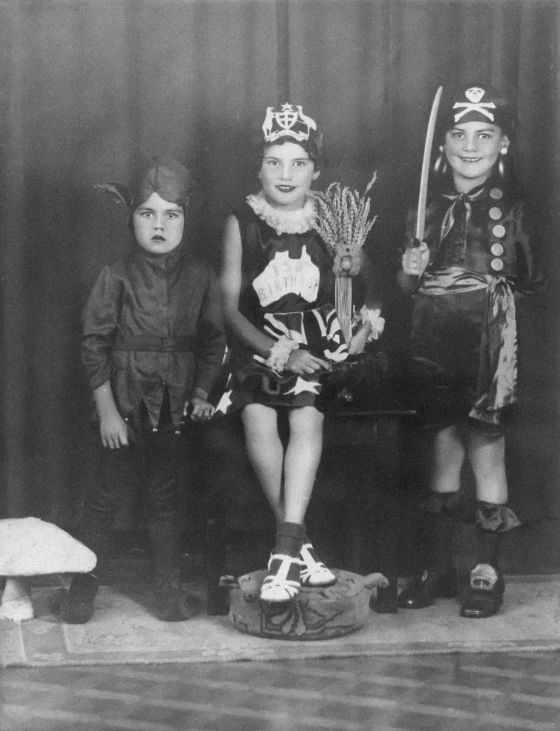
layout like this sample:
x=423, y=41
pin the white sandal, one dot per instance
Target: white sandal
x=314, y=573
x=282, y=583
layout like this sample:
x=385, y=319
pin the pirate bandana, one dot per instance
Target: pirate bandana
x=475, y=103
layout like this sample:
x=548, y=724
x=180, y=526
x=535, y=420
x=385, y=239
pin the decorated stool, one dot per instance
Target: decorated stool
x=315, y=614
x=33, y=547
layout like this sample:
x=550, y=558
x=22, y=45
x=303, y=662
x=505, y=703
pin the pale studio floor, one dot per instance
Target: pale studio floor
x=468, y=692
x=438, y=692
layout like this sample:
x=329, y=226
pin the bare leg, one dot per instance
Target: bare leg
x=301, y=461
x=266, y=452
x=449, y=455
x=16, y=600
x=487, y=457
x=303, y=455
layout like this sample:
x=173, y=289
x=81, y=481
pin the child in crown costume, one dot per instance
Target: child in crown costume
x=277, y=290
x=152, y=347
x=477, y=258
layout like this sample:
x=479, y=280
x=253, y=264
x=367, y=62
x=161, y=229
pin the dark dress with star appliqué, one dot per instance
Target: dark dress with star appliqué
x=482, y=249
x=287, y=289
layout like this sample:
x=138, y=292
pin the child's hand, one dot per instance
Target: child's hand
x=201, y=409
x=303, y=362
x=416, y=259
x=359, y=339
x=113, y=431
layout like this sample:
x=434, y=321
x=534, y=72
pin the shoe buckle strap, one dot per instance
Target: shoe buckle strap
x=285, y=567
x=484, y=583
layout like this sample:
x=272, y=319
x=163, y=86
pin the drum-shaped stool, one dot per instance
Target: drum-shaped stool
x=314, y=614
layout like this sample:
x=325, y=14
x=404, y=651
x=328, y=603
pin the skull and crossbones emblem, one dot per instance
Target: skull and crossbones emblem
x=474, y=104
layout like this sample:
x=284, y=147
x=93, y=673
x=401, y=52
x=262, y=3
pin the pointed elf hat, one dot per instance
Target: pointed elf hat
x=164, y=176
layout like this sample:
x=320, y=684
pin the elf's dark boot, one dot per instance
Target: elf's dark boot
x=170, y=601
x=485, y=593
x=439, y=579
x=383, y=546
x=77, y=606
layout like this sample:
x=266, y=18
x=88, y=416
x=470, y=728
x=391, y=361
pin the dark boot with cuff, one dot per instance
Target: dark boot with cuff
x=78, y=605
x=170, y=601
x=171, y=604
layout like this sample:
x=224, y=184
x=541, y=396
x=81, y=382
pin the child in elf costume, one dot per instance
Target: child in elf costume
x=476, y=259
x=277, y=287
x=152, y=347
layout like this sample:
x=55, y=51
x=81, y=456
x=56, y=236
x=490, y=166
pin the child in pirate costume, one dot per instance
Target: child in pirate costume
x=477, y=252
x=278, y=288
x=152, y=347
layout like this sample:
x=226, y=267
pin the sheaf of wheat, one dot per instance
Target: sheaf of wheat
x=343, y=217
x=343, y=221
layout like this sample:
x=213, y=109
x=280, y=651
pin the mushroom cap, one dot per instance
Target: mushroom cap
x=32, y=547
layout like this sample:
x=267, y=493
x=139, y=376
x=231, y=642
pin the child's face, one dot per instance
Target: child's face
x=286, y=175
x=158, y=225
x=472, y=149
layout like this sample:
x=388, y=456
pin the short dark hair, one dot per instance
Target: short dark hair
x=310, y=146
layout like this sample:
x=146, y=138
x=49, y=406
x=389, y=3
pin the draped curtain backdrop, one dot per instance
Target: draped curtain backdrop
x=88, y=86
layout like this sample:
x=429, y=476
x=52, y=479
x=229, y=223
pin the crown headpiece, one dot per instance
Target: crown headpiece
x=290, y=121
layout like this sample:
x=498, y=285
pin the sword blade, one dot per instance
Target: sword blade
x=423, y=194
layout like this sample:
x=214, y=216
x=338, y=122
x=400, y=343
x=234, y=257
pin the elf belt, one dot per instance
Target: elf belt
x=153, y=343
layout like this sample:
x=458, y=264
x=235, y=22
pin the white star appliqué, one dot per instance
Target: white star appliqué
x=224, y=403
x=302, y=386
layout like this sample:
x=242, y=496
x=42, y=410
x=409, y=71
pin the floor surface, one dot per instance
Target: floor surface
x=486, y=692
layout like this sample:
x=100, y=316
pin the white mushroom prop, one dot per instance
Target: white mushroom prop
x=32, y=547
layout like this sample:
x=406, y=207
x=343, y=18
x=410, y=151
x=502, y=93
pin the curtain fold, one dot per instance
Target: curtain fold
x=89, y=86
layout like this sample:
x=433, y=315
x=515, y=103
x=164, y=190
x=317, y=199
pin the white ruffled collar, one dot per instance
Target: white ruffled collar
x=284, y=222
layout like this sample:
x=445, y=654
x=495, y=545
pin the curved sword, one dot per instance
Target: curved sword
x=422, y=196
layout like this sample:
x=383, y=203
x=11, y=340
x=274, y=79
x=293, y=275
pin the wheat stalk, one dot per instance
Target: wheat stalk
x=343, y=222
x=343, y=217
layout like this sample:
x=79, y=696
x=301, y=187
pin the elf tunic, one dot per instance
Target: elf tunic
x=287, y=290
x=153, y=324
x=463, y=319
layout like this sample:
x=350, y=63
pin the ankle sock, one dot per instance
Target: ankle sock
x=289, y=538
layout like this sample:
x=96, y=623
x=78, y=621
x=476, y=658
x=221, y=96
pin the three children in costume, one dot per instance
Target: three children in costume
x=154, y=341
